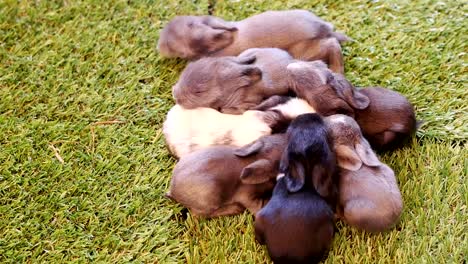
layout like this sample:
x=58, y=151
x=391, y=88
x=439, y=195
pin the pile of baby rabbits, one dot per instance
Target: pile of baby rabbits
x=265, y=120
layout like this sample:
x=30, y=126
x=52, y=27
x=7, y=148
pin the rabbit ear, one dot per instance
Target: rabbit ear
x=364, y=151
x=295, y=176
x=247, y=59
x=383, y=138
x=345, y=89
x=322, y=180
x=272, y=101
x=257, y=172
x=347, y=158
x=249, y=149
x=253, y=73
x=218, y=23
x=357, y=99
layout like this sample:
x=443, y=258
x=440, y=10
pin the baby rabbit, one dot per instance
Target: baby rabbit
x=386, y=117
x=225, y=180
x=388, y=121
x=369, y=194
x=299, y=32
x=297, y=224
x=187, y=130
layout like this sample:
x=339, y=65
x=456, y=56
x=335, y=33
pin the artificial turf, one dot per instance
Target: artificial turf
x=83, y=164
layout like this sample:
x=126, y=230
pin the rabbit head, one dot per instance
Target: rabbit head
x=217, y=83
x=193, y=36
x=352, y=149
x=389, y=120
x=308, y=159
x=329, y=93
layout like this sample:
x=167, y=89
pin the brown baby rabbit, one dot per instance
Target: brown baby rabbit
x=219, y=83
x=388, y=121
x=327, y=92
x=304, y=35
x=225, y=180
x=368, y=191
x=386, y=117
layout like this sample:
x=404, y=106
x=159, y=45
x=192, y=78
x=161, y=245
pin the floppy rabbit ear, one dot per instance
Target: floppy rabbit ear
x=347, y=158
x=272, y=101
x=253, y=73
x=295, y=176
x=364, y=151
x=358, y=100
x=247, y=59
x=383, y=138
x=352, y=95
x=322, y=180
x=218, y=23
x=249, y=149
x=249, y=75
x=257, y=172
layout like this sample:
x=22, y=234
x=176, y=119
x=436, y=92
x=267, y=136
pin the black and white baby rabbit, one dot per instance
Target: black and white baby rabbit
x=188, y=130
x=297, y=224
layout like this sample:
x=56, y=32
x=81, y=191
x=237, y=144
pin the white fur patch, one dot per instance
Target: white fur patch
x=187, y=130
x=281, y=175
x=296, y=65
x=294, y=107
x=339, y=118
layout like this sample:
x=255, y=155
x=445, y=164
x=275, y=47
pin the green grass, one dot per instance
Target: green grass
x=76, y=187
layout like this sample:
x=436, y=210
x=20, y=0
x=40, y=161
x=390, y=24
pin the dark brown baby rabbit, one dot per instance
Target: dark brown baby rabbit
x=297, y=224
x=386, y=117
x=225, y=180
x=388, y=121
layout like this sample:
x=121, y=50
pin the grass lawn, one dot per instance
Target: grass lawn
x=83, y=165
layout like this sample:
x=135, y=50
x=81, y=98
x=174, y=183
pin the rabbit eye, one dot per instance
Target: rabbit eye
x=249, y=60
x=218, y=36
x=342, y=111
